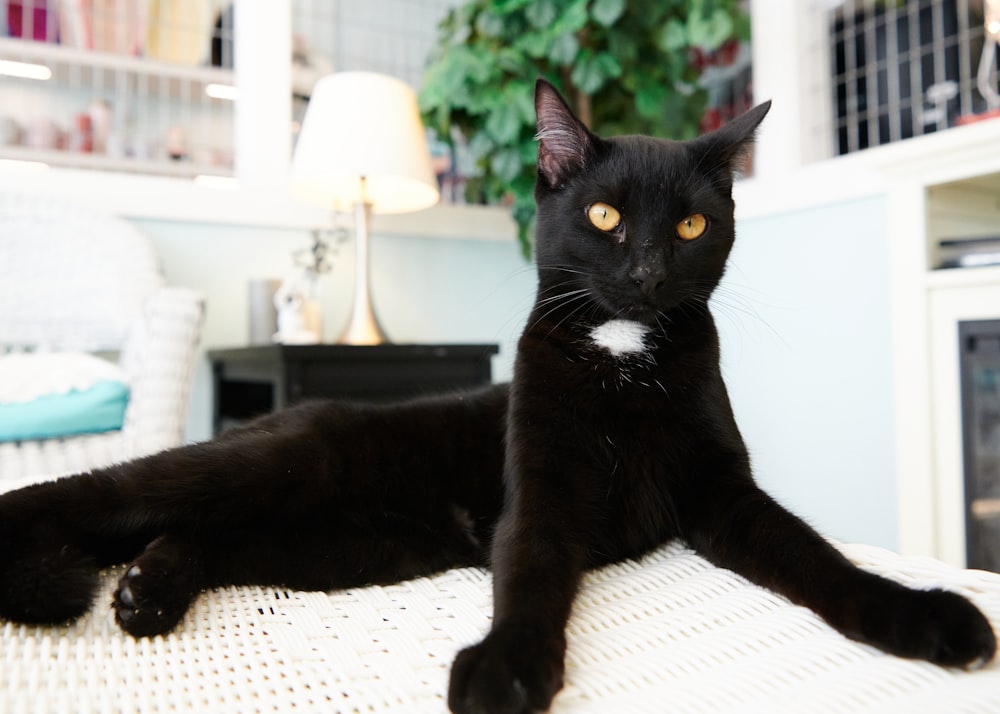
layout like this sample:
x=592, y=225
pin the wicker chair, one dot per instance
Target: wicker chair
x=74, y=279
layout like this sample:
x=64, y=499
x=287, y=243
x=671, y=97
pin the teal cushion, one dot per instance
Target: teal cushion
x=99, y=408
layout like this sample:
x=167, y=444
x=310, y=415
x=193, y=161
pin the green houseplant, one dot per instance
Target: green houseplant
x=626, y=67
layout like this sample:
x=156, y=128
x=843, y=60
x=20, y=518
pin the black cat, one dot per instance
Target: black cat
x=615, y=436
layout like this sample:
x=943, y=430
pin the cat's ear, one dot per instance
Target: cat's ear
x=727, y=148
x=564, y=143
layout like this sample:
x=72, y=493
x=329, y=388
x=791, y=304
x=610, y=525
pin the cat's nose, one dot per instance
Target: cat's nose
x=648, y=281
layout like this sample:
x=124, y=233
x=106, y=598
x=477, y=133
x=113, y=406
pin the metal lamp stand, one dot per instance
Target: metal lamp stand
x=363, y=327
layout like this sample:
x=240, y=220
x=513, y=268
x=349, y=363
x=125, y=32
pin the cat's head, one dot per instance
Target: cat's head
x=639, y=225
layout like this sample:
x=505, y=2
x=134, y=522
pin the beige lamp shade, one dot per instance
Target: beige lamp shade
x=363, y=125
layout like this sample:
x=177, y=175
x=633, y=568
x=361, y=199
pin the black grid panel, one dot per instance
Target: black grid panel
x=903, y=68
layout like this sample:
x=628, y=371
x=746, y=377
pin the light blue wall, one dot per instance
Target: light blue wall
x=804, y=317
x=424, y=290
x=803, y=312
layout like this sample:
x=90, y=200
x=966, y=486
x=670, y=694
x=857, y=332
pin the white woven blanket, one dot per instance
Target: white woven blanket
x=671, y=633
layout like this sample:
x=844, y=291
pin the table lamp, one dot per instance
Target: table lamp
x=362, y=146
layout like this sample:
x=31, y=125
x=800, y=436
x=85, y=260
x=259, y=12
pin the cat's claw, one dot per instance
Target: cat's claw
x=124, y=596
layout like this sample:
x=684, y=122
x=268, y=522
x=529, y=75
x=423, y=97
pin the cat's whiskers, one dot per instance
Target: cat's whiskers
x=568, y=315
x=562, y=268
x=528, y=301
x=662, y=328
x=560, y=301
x=727, y=302
x=546, y=295
x=560, y=296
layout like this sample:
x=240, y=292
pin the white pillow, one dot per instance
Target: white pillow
x=25, y=377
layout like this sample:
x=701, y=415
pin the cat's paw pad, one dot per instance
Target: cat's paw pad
x=515, y=670
x=156, y=590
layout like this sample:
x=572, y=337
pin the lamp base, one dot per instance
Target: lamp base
x=363, y=327
x=363, y=332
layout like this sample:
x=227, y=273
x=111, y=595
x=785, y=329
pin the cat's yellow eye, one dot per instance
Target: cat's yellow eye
x=692, y=227
x=604, y=216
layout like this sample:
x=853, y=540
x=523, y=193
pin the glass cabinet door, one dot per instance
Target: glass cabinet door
x=980, y=366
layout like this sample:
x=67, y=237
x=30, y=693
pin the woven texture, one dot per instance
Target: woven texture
x=668, y=633
x=76, y=279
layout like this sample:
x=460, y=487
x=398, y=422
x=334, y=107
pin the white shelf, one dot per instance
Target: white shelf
x=165, y=198
x=60, y=58
x=101, y=162
x=951, y=278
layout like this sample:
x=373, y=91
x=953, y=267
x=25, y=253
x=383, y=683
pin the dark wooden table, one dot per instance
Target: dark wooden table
x=250, y=381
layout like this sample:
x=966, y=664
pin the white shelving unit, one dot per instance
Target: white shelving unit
x=946, y=185
x=258, y=126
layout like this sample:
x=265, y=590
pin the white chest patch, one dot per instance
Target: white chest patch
x=621, y=337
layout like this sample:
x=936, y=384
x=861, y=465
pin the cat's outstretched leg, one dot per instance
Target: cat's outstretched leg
x=750, y=533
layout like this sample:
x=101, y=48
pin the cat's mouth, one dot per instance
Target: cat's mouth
x=641, y=312
x=634, y=308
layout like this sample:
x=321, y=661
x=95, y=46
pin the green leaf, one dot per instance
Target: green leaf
x=511, y=61
x=564, y=49
x=649, y=99
x=506, y=164
x=672, y=36
x=609, y=65
x=573, y=18
x=489, y=24
x=709, y=33
x=534, y=44
x=508, y=7
x=586, y=75
x=607, y=12
x=591, y=72
x=741, y=27
x=542, y=13
x=504, y=124
x=521, y=96
x=622, y=44
x=480, y=145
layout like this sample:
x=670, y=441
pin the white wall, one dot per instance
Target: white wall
x=804, y=318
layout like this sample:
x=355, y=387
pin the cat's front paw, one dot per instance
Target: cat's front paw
x=935, y=625
x=157, y=589
x=944, y=628
x=516, y=670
